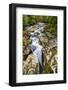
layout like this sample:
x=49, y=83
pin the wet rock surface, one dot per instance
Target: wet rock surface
x=45, y=45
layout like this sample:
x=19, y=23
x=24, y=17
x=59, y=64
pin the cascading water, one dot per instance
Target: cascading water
x=37, y=49
x=35, y=46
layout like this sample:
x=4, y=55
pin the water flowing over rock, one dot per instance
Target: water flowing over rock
x=42, y=43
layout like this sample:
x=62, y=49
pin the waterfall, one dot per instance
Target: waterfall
x=36, y=47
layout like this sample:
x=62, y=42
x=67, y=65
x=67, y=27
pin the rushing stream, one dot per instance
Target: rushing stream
x=37, y=49
x=44, y=48
x=35, y=45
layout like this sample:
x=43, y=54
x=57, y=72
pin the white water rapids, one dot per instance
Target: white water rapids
x=38, y=49
x=35, y=45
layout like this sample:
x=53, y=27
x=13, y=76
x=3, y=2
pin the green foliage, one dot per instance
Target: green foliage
x=48, y=69
x=26, y=20
x=51, y=22
x=53, y=31
x=31, y=19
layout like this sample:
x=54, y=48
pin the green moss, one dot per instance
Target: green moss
x=48, y=69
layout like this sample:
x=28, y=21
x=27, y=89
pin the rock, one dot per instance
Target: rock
x=26, y=51
x=53, y=63
x=31, y=71
x=30, y=65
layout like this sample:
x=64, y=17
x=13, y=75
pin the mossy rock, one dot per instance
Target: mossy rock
x=48, y=69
